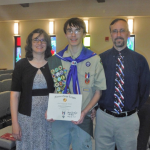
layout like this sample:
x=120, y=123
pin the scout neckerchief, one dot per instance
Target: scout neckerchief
x=85, y=54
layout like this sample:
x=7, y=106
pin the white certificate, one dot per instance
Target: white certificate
x=64, y=107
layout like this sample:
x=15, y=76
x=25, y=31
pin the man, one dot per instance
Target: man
x=127, y=78
x=83, y=74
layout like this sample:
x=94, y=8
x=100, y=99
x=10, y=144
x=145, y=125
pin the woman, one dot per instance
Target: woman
x=31, y=83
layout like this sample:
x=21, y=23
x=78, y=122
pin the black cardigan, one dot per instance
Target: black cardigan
x=22, y=81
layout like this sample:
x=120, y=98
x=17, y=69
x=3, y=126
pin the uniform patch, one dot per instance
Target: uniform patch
x=52, y=71
x=53, y=76
x=60, y=67
x=59, y=79
x=57, y=74
x=58, y=89
x=55, y=79
x=86, y=90
x=63, y=77
x=60, y=83
x=61, y=72
x=88, y=64
x=87, y=78
x=56, y=69
x=56, y=84
x=65, y=71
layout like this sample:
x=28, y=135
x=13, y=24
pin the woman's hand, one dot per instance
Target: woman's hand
x=16, y=131
x=50, y=120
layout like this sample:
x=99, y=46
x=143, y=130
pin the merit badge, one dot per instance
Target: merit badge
x=65, y=71
x=53, y=76
x=57, y=74
x=62, y=88
x=52, y=71
x=60, y=83
x=87, y=76
x=61, y=72
x=60, y=67
x=58, y=89
x=88, y=64
x=56, y=84
x=59, y=78
x=62, y=77
x=56, y=69
x=64, y=81
x=55, y=79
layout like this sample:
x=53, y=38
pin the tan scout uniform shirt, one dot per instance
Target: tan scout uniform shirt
x=97, y=76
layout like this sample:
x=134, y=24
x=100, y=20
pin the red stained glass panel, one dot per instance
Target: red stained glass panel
x=18, y=41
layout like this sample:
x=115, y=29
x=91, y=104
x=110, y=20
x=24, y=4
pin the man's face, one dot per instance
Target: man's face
x=74, y=35
x=119, y=34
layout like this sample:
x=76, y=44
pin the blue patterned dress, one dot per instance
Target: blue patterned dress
x=36, y=130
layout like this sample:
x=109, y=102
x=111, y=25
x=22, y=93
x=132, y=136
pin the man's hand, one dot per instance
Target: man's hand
x=93, y=114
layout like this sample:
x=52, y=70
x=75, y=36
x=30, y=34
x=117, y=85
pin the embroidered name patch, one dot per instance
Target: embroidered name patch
x=86, y=90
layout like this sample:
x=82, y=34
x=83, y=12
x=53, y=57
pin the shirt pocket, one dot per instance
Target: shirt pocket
x=86, y=82
x=86, y=78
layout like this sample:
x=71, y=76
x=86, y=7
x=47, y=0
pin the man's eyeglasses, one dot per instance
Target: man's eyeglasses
x=70, y=31
x=116, y=31
x=36, y=40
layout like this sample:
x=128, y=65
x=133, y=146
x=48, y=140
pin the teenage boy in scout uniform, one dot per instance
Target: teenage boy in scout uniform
x=76, y=70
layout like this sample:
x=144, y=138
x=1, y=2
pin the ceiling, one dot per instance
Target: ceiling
x=11, y=10
x=11, y=2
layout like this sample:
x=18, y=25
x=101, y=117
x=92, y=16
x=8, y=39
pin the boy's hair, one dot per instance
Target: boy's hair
x=75, y=22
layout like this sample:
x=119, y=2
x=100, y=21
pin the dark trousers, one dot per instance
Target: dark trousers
x=144, y=131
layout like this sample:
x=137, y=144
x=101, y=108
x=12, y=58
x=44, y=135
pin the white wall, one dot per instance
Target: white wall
x=6, y=45
x=98, y=29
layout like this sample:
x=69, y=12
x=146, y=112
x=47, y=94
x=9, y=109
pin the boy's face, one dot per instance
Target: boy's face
x=74, y=35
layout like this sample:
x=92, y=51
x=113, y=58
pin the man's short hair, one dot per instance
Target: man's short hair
x=116, y=20
x=75, y=22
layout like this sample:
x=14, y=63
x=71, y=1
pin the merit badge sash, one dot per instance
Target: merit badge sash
x=58, y=74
